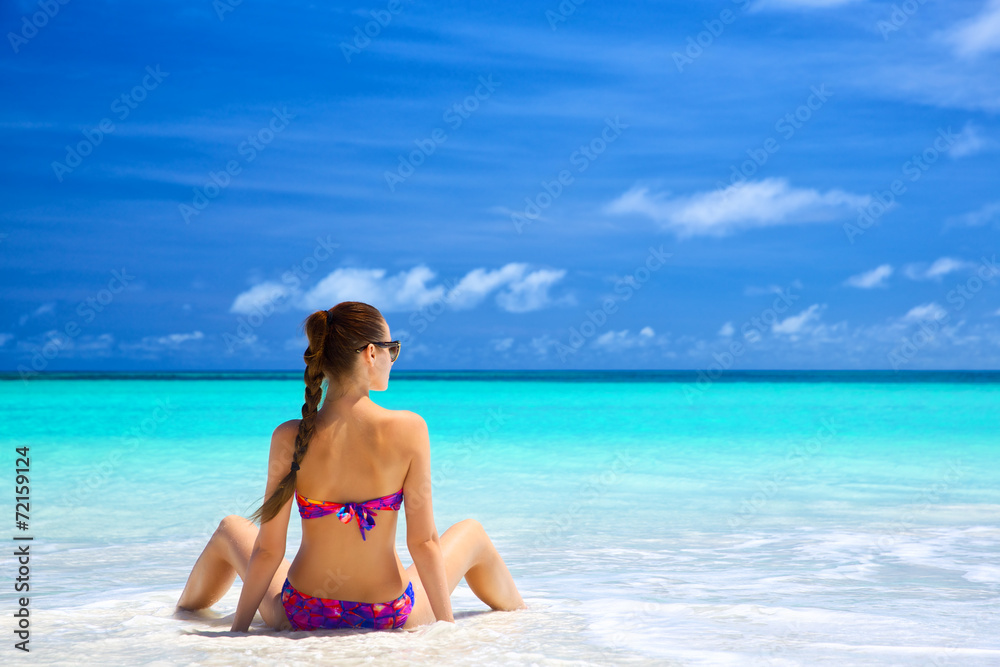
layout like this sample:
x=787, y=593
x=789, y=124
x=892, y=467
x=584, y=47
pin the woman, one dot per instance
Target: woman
x=347, y=572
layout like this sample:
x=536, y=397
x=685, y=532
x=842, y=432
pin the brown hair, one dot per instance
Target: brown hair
x=332, y=353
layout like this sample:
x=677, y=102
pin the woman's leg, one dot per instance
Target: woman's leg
x=226, y=555
x=468, y=552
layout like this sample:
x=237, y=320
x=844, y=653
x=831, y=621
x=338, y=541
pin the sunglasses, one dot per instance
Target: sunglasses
x=393, y=346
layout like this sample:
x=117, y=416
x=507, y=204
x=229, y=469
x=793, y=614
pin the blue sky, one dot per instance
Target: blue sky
x=786, y=184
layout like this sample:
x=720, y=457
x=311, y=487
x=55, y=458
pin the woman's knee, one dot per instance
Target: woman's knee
x=463, y=527
x=472, y=524
x=474, y=534
x=230, y=524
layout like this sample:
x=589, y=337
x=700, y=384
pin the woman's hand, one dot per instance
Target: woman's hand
x=241, y=628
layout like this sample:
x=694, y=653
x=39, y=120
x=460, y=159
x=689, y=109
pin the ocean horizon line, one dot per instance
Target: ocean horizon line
x=605, y=375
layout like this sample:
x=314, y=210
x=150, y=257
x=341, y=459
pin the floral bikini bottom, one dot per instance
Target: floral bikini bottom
x=306, y=612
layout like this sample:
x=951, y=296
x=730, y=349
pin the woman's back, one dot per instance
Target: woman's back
x=353, y=457
x=335, y=465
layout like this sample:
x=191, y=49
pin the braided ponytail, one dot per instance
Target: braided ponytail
x=333, y=337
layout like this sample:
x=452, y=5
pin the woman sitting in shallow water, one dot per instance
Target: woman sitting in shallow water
x=350, y=448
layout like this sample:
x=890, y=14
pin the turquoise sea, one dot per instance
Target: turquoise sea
x=648, y=518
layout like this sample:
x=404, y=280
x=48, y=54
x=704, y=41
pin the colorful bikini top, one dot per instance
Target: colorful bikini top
x=364, y=512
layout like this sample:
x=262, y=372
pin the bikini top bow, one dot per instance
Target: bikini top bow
x=364, y=515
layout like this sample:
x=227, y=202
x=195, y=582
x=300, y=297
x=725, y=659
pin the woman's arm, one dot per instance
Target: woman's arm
x=263, y=565
x=269, y=548
x=430, y=566
x=421, y=534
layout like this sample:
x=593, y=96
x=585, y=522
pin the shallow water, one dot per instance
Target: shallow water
x=767, y=522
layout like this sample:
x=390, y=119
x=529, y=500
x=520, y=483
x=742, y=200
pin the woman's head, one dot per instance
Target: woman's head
x=341, y=349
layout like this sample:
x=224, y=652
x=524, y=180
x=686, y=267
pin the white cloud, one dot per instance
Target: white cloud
x=986, y=214
x=100, y=343
x=936, y=271
x=82, y=346
x=530, y=292
x=740, y=206
x=804, y=339
x=178, y=338
x=503, y=344
x=478, y=283
x=617, y=340
x=521, y=290
x=798, y=324
x=259, y=297
x=978, y=34
x=4, y=337
x=924, y=77
x=49, y=307
x=250, y=342
x=541, y=344
x=869, y=279
x=609, y=342
x=151, y=347
x=406, y=290
x=727, y=329
x=969, y=141
x=945, y=265
x=612, y=338
x=927, y=311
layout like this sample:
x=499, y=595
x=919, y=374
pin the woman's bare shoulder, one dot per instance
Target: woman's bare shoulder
x=403, y=425
x=286, y=431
